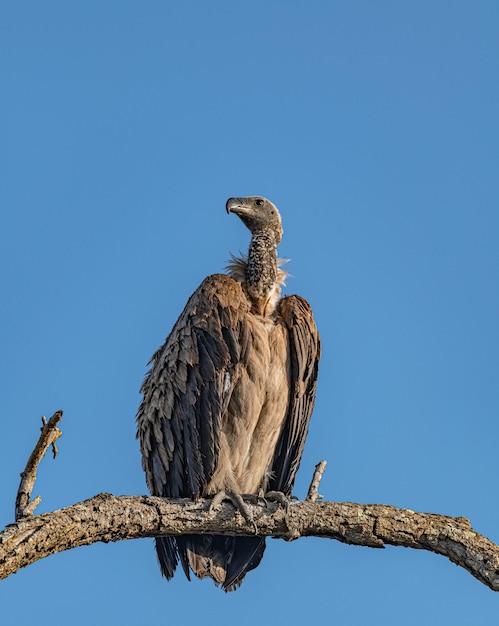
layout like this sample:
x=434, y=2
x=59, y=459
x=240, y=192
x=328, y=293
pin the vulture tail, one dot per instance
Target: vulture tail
x=167, y=556
x=224, y=559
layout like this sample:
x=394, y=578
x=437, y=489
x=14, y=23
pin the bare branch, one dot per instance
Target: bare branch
x=50, y=433
x=109, y=518
x=313, y=491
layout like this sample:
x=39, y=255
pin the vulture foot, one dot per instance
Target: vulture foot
x=239, y=504
x=279, y=498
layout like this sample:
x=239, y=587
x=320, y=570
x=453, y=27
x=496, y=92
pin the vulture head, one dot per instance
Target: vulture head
x=258, y=214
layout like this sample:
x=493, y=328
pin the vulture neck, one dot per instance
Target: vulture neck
x=261, y=274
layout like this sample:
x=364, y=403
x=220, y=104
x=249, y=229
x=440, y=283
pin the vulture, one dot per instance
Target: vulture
x=227, y=402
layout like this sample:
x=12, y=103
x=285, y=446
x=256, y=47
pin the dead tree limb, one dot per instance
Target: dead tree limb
x=110, y=518
x=49, y=435
x=313, y=491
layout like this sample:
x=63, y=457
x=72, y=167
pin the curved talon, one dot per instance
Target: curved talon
x=242, y=507
x=255, y=498
x=237, y=502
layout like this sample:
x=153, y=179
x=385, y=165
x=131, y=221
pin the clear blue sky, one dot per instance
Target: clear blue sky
x=373, y=126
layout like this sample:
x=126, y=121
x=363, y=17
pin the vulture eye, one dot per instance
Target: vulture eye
x=259, y=202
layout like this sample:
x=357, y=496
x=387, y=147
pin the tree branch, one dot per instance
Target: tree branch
x=49, y=435
x=313, y=491
x=110, y=518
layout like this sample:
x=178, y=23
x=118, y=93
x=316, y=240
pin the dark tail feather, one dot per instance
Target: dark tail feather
x=224, y=559
x=246, y=555
x=167, y=556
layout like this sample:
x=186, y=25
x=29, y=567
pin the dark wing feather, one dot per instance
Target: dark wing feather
x=304, y=353
x=179, y=417
x=185, y=394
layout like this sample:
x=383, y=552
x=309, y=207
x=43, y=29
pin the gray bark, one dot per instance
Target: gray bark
x=109, y=518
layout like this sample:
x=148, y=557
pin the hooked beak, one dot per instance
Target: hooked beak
x=236, y=205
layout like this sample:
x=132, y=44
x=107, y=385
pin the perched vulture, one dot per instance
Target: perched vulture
x=229, y=396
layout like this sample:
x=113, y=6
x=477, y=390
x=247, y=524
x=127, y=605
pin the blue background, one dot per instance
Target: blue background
x=373, y=126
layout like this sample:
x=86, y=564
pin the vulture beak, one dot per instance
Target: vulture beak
x=236, y=205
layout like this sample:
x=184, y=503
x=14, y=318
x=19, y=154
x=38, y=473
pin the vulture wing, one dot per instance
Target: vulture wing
x=304, y=354
x=186, y=393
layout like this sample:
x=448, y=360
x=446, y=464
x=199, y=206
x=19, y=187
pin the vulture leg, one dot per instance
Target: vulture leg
x=238, y=503
x=279, y=498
